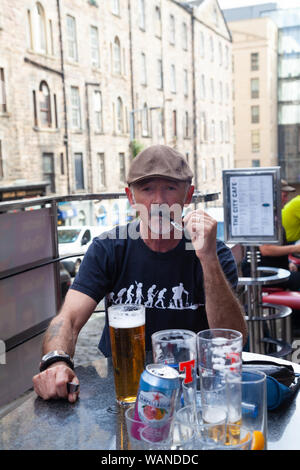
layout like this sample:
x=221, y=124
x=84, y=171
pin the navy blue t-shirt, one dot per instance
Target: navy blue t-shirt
x=170, y=284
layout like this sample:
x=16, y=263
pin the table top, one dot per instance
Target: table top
x=95, y=422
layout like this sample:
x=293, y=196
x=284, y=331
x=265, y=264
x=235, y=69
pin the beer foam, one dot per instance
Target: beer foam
x=126, y=319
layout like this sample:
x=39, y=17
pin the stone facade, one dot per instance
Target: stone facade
x=255, y=92
x=80, y=80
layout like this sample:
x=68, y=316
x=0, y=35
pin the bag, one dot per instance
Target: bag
x=282, y=381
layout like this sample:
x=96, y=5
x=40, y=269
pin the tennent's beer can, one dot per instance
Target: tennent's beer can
x=156, y=400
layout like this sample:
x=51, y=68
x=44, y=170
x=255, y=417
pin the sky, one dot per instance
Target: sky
x=242, y=3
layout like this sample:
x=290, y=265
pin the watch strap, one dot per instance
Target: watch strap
x=57, y=358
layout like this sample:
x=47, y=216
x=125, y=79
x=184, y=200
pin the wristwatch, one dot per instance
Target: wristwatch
x=55, y=356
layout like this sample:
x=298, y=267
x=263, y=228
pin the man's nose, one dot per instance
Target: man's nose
x=158, y=197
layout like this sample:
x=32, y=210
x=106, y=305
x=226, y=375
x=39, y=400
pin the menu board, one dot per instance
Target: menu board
x=252, y=212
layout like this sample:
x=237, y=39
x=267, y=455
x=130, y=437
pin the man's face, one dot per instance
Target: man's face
x=160, y=200
x=284, y=198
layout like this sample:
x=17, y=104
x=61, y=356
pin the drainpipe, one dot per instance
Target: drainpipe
x=132, y=117
x=66, y=137
x=89, y=144
x=194, y=102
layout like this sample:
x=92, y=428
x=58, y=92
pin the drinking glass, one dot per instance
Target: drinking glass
x=146, y=435
x=219, y=352
x=178, y=349
x=247, y=396
x=127, y=336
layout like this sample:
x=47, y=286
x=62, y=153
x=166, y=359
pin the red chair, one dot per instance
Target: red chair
x=275, y=295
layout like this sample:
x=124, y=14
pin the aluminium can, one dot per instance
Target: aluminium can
x=156, y=401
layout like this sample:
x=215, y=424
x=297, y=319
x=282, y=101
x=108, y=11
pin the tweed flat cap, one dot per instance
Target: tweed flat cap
x=159, y=161
x=286, y=187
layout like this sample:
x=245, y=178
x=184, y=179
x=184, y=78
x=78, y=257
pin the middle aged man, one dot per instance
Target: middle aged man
x=186, y=278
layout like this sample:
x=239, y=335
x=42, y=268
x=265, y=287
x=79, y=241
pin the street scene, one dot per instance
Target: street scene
x=149, y=225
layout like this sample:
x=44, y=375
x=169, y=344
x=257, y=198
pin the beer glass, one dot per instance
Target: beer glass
x=177, y=348
x=247, y=397
x=219, y=352
x=127, y=337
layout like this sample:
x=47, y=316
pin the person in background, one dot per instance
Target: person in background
x=291, y=219
x=277, y=256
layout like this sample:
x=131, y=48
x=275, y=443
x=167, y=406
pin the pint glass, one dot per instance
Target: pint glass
x=127, y=337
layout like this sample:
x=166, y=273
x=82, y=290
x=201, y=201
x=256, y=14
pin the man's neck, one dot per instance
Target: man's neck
x=158, y=242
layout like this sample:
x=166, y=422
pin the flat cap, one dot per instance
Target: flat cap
x=159, y=161
x=286, y=187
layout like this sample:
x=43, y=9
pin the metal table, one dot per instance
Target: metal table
x=88, y=424
x=256, y=310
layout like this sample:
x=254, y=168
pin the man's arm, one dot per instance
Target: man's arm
x=62, y=334
x=279, y=250
x=222, y=307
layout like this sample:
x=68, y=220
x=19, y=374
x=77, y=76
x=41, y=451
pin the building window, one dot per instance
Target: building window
x=120, y=121
x=45, y=108
x=55, y=111
x=203, y=127
x=254, y=88
x=157, y=22
x=221, y=131
x=79, y=175
x=48, y=171
x=95, y=55
x=72, y=38
x=145, y=123
x=62, y=163
x=212, y=49
x=255, y=163
x=51, y=38
x=160, y=83
x=115, y=7
x=213, y=168
x=212, y=131
x=172, y=30
x=204, y=171
x=1, y=161
x=221, y=91
x=173, y=79
x=220, y=54
x=202, y=87
x=174, y=123
x=254, y=114
x=3, y=106
x=75, y=108
x=98, y=111
x=185, y=83
x=255, y=141
x=35, y=118
x=40, y=29
x=201, y=44
x=186, y=122
x=122, y=167
x=29, y=37
x=184, y=37
x=212, y=90
x=254, y=61
x=117, y=56
x=143, y=69
x=101, y=170
x=142, y=18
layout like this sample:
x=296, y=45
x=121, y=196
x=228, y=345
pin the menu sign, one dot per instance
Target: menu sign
x=252, y=205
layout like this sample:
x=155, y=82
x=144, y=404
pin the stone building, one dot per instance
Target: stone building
x=85, y=83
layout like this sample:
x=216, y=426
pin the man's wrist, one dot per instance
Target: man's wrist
x=53, y=357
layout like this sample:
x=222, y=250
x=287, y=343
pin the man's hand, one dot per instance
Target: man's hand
x=52, y=382
x=203, y=232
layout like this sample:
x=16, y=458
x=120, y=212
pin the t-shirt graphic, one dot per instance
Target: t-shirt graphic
x=177, y=299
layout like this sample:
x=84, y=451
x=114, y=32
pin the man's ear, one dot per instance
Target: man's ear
x=189, y=195
x=130, y=196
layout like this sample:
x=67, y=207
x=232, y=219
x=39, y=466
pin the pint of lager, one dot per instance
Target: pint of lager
x=127, y=337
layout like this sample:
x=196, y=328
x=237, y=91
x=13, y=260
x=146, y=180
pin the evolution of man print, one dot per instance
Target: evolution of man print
x=176, y=297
